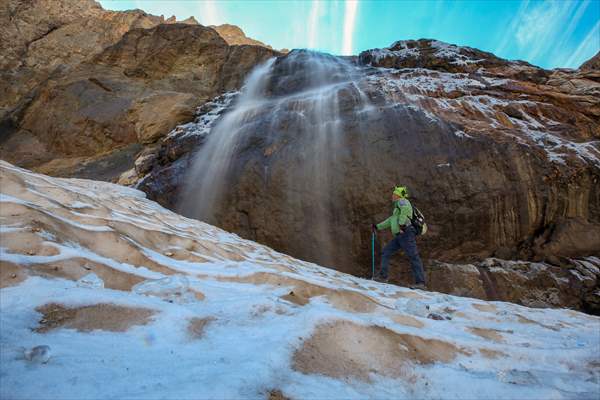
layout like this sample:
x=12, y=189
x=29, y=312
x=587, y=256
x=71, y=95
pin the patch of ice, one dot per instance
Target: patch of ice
x=38, y=354
x=517, y=377
x=12, y=228
x=91, y=281
x=557, y=148
x=414, y=307
x=79, y=204
x=174, y=288
x=492, y=81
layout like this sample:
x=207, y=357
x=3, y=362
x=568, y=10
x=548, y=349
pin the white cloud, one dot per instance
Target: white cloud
x=349, y=23
x=560, y=52
x=508, y=33
x=542, y=26
x=587, y=48
x=313, y=20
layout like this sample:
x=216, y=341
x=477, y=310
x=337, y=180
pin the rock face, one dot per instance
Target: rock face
x=573, y=283
x=42, y=37
x=502, y=157
x=235, y=35
x=591, y=64
x=81, y=83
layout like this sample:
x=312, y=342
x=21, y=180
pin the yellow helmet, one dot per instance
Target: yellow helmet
x=401, y=191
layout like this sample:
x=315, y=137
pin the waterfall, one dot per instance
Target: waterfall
x=293, y=106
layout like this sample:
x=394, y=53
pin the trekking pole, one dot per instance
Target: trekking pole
x=372, y=254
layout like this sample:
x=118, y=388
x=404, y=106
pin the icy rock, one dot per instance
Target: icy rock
x=91, y=281
x=38, y=354
x=437, y=317
x=415, y=307
x=174, y=288
x=517, y=377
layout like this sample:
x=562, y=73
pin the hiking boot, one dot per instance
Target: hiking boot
x=420, y=286
x=381, y=279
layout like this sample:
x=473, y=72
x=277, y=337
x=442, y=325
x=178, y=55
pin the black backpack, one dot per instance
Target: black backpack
x=418, y=222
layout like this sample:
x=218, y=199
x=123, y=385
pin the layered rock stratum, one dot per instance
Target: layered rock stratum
x=104, y=293
x=84, y=89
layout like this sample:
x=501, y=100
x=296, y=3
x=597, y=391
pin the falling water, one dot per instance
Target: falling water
x=294, y=104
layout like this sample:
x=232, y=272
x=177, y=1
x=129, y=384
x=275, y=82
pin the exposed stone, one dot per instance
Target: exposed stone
x=591, y=64
x=527, y=283
x=161, y=112
x=94, y=81
x=235, y=35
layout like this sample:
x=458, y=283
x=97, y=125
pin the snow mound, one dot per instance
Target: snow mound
x=136, y=301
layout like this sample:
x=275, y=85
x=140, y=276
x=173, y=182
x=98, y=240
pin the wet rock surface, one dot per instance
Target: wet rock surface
x=502, y=159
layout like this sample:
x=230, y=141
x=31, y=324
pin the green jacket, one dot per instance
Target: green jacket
x=401, y=216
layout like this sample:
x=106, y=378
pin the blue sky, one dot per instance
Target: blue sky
x=552, y=33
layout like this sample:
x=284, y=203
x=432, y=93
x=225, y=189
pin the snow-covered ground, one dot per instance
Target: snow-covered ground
x=135, y=301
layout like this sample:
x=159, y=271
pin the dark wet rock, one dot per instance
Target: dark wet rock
x=501, y=166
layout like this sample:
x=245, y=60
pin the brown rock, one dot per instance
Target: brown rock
x=160, y=112
x=234, y=35
x=134, y=91
x=591, y=64
x=42, y=38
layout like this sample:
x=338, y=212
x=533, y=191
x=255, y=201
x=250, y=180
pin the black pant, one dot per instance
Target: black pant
x=405, y=241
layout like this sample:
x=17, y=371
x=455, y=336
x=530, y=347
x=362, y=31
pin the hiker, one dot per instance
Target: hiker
x=404, y=237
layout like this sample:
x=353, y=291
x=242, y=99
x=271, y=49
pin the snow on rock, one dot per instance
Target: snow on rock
x=422, y=52
x=476, y=103
x=403, y=51
x=206, y=116
x=259, y=322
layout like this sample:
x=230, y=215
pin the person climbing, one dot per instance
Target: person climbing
x=404, y=238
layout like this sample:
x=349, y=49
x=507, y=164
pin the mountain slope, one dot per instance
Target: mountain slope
x=84, y=90
x=180, y=309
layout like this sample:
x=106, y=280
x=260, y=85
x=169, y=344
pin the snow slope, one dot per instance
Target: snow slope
x=176, y=308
